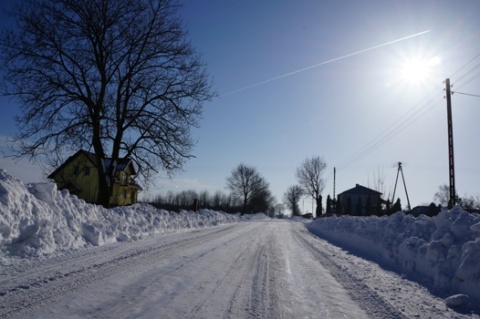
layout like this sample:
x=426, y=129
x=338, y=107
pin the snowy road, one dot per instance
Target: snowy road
x=258, y=269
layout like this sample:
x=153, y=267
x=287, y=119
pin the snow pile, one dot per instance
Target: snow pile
x=39, y=220
x=444, y=249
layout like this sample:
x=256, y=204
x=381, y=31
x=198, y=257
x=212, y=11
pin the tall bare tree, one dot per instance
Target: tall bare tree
x=114, y=76
x=378, y=182
x=310, y=177
x=246, y=183
x=292, y=197
x=442, y=197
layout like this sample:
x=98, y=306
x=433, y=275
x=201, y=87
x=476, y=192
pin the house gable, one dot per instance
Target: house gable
x=359, y=189
x=83, y=155
x=79, y=174
x=360, y=200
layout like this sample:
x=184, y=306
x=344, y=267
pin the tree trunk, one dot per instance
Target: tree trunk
x=244, y=210
x=104, y=190
x=318, y=201
x=104, y=182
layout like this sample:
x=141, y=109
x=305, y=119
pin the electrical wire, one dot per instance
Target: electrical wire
x=412, y=115
x=475, y=67
x=462, y=80
x=475, y=76
x=461, y=68
x=456, y=92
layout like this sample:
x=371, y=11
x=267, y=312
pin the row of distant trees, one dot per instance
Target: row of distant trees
x=186, y=200
x=249, y=192
x=192, y=200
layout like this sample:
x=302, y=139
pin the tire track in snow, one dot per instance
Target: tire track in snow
x=378, y=292
x=234, y=275
x=37, y=287
x=368, y=299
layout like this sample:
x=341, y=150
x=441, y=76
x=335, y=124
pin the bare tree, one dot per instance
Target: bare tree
x=262, y=200
x=442, y=197
x=309, y=176
x=292, y=197
x=204, y=199
x=378, y=182
x=116, y=77
x=470, y=202
x=278, y=210
x=246, y=183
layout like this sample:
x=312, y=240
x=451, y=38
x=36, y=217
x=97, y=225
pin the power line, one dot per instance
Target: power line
x=475, y=76
x=419, y=110
x=475, y=95
x=475, y=67
x=460, y=82
x=470, y=61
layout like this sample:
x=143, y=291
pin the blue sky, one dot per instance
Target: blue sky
x=272, y=117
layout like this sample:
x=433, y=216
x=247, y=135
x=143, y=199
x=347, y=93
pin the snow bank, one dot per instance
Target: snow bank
x=39, y=220
x=444, y=249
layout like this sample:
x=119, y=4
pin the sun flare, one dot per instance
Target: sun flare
x=418, y=70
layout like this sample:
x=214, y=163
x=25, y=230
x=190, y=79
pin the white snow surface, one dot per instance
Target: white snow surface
x=443, y=252
x=37, y=220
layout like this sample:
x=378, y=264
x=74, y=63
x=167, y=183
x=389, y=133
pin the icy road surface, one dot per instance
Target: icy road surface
x=257, y=269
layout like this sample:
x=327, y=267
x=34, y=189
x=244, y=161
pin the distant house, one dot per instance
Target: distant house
x=360, y=201
x=79, y=175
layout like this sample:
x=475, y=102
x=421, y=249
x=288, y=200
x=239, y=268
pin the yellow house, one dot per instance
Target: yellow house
x=79, y=174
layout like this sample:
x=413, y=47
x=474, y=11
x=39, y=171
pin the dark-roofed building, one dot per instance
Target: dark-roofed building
x=79, y=175
x=360, y=201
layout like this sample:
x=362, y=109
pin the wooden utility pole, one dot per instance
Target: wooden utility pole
x=404, y=185
x=334, y=177
x=451, y=163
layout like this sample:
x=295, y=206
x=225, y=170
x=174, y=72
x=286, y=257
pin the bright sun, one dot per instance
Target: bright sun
x=418, y=70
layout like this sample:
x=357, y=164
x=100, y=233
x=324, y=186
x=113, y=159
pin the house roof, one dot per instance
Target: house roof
x=121, y=165
x=360, y=190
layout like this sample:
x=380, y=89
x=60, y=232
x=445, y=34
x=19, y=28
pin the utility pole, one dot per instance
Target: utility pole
x=334, y=177
x=404, y=185
x=451, y=164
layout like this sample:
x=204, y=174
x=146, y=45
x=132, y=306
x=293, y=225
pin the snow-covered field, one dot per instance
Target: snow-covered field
x=39, y=224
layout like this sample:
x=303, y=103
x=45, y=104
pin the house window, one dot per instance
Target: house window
x=124, y=193
x=76, y=170
x=123, y=178
x=87, y=170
